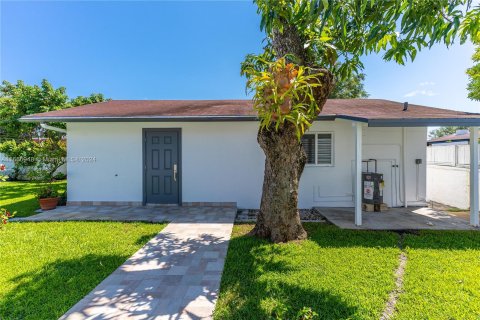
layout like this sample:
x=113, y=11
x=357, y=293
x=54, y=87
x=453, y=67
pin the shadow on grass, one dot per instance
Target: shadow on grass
x=24, y=208
x=145, y=238
x=18, y=190
x=49, y=292
x=330, y=236
x=247, y=294
x=444, y=240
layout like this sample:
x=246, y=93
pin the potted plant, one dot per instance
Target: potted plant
x=48, y=198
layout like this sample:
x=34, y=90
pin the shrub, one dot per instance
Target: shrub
x=63, y=199
x=47, y=192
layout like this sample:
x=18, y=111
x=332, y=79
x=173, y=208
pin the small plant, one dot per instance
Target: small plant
x=284, y=92
x=47, y=192
x=63, y=199
x=306, y=314
x=5, y=215
x=3, y=168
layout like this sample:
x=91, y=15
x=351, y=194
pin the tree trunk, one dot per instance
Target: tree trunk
x=285, y=159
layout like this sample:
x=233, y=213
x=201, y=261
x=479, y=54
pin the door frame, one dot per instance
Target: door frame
x=144, y=163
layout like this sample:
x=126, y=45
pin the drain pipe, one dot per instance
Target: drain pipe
x=47, y=127
x=404, y=171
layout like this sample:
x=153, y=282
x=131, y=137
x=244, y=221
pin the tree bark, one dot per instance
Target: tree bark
x=285, y=158
x=278, y=219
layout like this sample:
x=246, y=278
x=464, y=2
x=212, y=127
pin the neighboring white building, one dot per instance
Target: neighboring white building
x=460, y=137
x=189, y=152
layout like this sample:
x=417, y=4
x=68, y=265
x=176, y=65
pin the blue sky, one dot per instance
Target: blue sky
x=184, y=50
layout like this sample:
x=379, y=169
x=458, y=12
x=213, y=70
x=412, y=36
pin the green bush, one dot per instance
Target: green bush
x=47, y=192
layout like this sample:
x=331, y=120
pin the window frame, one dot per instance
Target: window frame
x=332, y=149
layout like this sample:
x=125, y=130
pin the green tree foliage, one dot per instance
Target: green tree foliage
x=20, y=99
x=329, y=39
x=350, y=88
x=335, y=35
x=444, y=131
x=474, y=76
x=23, y=154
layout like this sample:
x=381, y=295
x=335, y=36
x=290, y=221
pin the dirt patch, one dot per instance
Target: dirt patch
x=389, y=310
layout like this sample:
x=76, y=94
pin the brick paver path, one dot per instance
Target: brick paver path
x=176, y=275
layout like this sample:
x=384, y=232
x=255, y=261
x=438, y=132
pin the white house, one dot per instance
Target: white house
x=191, y=152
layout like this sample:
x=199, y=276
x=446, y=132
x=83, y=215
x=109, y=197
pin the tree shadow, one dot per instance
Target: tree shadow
x=145, y=238
x=246, y=294
x=443, y=240
x=49, y=292
x=331, y=236
x=170, y=277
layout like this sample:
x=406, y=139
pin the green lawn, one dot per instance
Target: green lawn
x=442, y=279
x=20, y=196
x=340, y=274
x=47, y=267
x=343, y=274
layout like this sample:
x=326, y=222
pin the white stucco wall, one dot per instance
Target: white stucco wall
x=449, y=185
x=222, y=162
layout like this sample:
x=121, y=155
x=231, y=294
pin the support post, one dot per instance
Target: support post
x=474, y=203
x=358, y=173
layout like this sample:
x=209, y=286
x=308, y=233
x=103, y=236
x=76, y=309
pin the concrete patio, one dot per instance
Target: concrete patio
x=413, y=218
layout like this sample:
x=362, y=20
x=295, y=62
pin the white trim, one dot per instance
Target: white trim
x=474, y=201
x=332, y=149
x=404, y=167
x=358, y=173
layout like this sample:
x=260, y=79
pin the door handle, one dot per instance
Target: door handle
x=174, y=172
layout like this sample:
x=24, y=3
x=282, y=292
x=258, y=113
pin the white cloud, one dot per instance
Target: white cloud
x=414, y=93
x=426, y=83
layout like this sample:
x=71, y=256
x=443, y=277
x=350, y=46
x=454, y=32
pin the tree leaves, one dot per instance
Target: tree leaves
x=353, y=28
x=474, y=76
x=19, y=99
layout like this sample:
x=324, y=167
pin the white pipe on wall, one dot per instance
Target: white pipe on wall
x=358, y=173
x=404, y=169
x=47, y=127
x=474, y=201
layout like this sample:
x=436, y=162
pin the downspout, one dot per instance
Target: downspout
x=47, y=127
x=404, y=171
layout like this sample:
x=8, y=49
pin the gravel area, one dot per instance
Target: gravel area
x=313, y=215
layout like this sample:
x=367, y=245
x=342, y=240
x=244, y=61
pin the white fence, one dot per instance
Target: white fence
x=451, y=155
x=448, y=175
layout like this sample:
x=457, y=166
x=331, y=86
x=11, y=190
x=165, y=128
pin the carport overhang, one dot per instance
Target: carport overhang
x=474, y=126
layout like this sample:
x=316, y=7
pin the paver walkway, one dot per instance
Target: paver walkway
x=176, y=275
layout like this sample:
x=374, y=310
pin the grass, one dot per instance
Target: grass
x=47, y=267
x=346, y=274
x=340, y=274
x=442, y=279
x=20, y=196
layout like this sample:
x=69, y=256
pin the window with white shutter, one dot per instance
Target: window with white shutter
x=319, y=148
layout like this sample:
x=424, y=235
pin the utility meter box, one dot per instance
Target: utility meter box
x=372, y=188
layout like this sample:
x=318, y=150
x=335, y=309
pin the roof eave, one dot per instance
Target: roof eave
x=153, y=118
x=137, y=119
x=427, y=122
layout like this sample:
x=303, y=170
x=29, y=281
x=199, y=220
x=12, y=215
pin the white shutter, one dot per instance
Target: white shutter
x=324, y=148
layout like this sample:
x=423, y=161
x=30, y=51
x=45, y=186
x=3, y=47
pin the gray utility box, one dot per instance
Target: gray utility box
x=372, y=188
